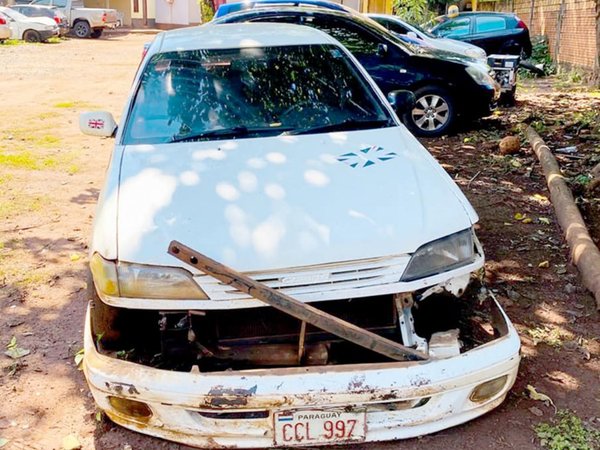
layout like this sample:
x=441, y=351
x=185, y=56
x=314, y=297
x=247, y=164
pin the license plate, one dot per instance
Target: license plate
x=319, y=426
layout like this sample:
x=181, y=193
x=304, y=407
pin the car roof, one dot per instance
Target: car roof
x=361, y=19
x=240, y=35
x=33, y=6
x=229, y=8
x=481, y=13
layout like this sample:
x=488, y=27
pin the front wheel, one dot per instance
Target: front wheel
x=32, y=36
x=96, y=33
x=82, y=29
x=433, y=114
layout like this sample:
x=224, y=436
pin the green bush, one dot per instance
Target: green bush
x=206, y=10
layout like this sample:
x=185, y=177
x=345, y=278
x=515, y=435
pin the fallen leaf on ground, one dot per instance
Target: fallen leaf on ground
x=544, y=264
x=75, y=257
x=14, y=351
x=544, y=220
x=519, y=216
x=70, y=442
x=79, y=357
x=535, y=395
x=536, y=411
x=527, y=220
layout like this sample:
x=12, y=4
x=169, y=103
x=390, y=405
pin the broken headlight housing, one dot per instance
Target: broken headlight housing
x=142, y=281
x=441, y=255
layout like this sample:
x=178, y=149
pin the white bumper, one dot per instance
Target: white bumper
x=402, y=400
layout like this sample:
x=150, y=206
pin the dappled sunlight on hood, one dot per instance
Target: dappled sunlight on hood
x=157, y=189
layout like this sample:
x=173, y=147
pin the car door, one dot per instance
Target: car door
x=458, y=28
x=490, y=33
x=384, y=61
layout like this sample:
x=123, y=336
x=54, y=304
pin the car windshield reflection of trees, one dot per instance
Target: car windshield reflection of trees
x=221, y=94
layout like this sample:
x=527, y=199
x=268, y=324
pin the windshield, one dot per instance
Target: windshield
x=250, y=92
x=423, y=30
x=429, y=26
x=14, y=15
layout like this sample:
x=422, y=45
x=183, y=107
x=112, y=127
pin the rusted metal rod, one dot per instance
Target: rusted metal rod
x=293, y=307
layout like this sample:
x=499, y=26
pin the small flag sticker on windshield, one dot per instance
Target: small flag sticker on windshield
x=366, y=157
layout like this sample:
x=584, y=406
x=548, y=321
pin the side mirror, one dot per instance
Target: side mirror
x=382, y=49
x=402, y=101
x=97, y=123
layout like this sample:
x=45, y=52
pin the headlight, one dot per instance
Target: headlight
x=440, y=256
x=476, y=53
x=480, y=75
x=141, y=281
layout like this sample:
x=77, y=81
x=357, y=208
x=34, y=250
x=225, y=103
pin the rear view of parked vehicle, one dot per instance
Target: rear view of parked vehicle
x=496, y=33
x=45, y=11
x=29, y=29
x=84, y=22
x=4, y=29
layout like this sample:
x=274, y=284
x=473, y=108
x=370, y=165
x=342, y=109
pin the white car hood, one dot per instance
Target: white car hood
x=261, y=204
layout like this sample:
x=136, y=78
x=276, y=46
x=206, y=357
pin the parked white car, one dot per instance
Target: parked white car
x=30, y=29
x=4, y=29
x=267, y=147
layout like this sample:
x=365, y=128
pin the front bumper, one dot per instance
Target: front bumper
x=47, y=34
x=481, y=102
x=402, y=399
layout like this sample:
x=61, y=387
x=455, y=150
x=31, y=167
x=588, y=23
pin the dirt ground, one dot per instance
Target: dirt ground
x=50, y=176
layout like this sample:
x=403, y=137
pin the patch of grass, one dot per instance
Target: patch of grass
x=48, y=115
x=72, y=169
x=21, y=205
x=5, y=178
x=539, y=126
x=73, y=104
x=567, y=432
x=46, y=140
x=13, y=42
x=545, y=335
x=26, y=160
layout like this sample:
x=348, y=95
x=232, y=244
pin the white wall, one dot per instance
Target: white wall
x=180, y=12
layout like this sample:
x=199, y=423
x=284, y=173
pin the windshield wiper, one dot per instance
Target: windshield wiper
x=348, y=124
x=228, y=133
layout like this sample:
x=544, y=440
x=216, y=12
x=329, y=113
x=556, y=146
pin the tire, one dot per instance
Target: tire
x=32, y=36
x=82, y=29
x=434, y=113
x=96, y=33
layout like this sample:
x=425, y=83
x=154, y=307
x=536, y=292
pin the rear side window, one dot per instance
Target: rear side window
x=353, y=37
x=452, y=28
x=391, y=25
x=487, y=24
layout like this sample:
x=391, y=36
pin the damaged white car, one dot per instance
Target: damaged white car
x=276, y=260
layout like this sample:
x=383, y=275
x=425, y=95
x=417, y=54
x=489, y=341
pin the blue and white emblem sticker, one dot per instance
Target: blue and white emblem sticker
x=366, y=157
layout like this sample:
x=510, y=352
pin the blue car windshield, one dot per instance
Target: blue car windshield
x=250, y=92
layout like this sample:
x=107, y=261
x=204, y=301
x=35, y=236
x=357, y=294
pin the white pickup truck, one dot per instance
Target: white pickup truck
x=84, y=22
